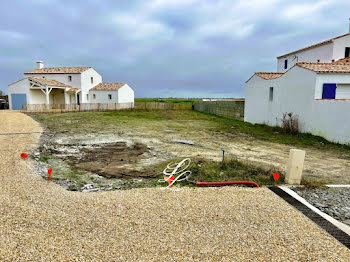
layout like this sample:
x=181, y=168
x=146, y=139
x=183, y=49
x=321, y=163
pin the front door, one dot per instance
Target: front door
x=78, y=99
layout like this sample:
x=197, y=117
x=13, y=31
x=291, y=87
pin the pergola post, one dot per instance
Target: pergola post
x=47, y=95
x=47, y=91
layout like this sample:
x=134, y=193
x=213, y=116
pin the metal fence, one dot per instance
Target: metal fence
x=230, y=109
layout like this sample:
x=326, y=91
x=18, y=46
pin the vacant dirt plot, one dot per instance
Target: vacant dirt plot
x=156, y=129
x=112, y=160
x=39, y=220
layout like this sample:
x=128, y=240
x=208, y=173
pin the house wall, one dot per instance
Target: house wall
x=324, y=53
x=63, y=78
x=36, y=96
x=125, y=94
x=343, y=91
x=342, y=81
x=19, y=87
x=339, y=47
x=102, y=97
x=86, y=84
x=256, y=100
x=332, y=120
x=295, y=92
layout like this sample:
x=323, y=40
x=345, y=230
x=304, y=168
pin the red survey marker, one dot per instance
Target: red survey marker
x=24, y=155
x=276, y=176
x=49, y=172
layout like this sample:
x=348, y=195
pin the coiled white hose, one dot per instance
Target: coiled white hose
x=178, y=169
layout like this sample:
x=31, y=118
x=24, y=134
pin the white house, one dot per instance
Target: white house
x=65, y=85
x=316, y=88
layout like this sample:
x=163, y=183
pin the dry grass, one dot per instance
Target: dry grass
x=40, y=221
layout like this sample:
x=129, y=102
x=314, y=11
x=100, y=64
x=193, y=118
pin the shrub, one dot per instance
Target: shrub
x=290, y=123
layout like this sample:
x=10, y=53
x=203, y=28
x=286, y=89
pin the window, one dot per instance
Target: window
x=87, y=96
x=271, y=94
x=347, y=52
x=328, y=91
x=69, y=78
x=92, y=80
x=285, y=64
x=94, y=96
x=109, y=96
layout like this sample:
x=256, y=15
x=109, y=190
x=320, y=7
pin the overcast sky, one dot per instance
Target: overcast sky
x=164, y=48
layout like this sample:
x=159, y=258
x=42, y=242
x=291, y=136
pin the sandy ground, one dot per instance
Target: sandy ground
x=40, y=221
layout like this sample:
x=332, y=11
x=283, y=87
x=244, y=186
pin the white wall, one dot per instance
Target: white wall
x=342, y=91
x=340, y=79
x=102, y=97
x=86, y=84
x=323, y=53
x=19, y=87
x=257, y=100
x=339, y=47
x=292, y=93
x=332, y=120
x=295, y=92
x=36, y=96
x=125, y=94
x=63, y=78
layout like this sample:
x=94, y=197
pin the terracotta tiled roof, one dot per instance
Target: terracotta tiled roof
x=48, y=82
x=315, y=45
x=73, y=90
x=269, y=75
x=326, y=67
x=342, y=61
x=107, y=86
x=58, y=70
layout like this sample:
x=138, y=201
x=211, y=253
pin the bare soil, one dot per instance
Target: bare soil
x=113, y=160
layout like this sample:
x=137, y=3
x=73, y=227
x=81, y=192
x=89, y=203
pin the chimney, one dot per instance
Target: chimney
x=39, y=64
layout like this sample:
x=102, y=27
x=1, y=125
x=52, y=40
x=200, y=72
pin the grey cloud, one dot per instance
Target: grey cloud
x=164, y=48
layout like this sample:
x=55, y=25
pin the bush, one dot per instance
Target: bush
x=290, y=123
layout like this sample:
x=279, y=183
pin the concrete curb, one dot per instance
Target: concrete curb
x=338, y=186
x=330, y=219
x=338, y=230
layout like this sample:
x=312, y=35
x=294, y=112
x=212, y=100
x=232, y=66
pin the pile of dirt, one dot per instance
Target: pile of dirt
x=113, y=160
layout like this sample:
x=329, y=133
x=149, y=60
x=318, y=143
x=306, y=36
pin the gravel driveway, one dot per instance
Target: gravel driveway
x=39, y=220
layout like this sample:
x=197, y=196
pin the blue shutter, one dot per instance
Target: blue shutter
x=329, y=91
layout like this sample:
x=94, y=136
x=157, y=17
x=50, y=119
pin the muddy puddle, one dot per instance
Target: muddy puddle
x=91, y=167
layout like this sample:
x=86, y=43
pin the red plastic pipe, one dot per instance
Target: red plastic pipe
x=226, y=183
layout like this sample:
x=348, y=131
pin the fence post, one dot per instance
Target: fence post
x=295, y=166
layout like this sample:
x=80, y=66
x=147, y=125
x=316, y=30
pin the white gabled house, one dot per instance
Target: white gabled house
x=65, y=85
x=315, y=87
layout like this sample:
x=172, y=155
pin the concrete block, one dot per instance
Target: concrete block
x=295, y=166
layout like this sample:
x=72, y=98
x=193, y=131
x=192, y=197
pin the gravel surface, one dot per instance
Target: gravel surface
x=40, y=221
x=333, y=201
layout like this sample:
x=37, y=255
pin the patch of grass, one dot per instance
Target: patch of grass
x=230, y=170
x=44, y=158
x=313, y=183
x=186, y=120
